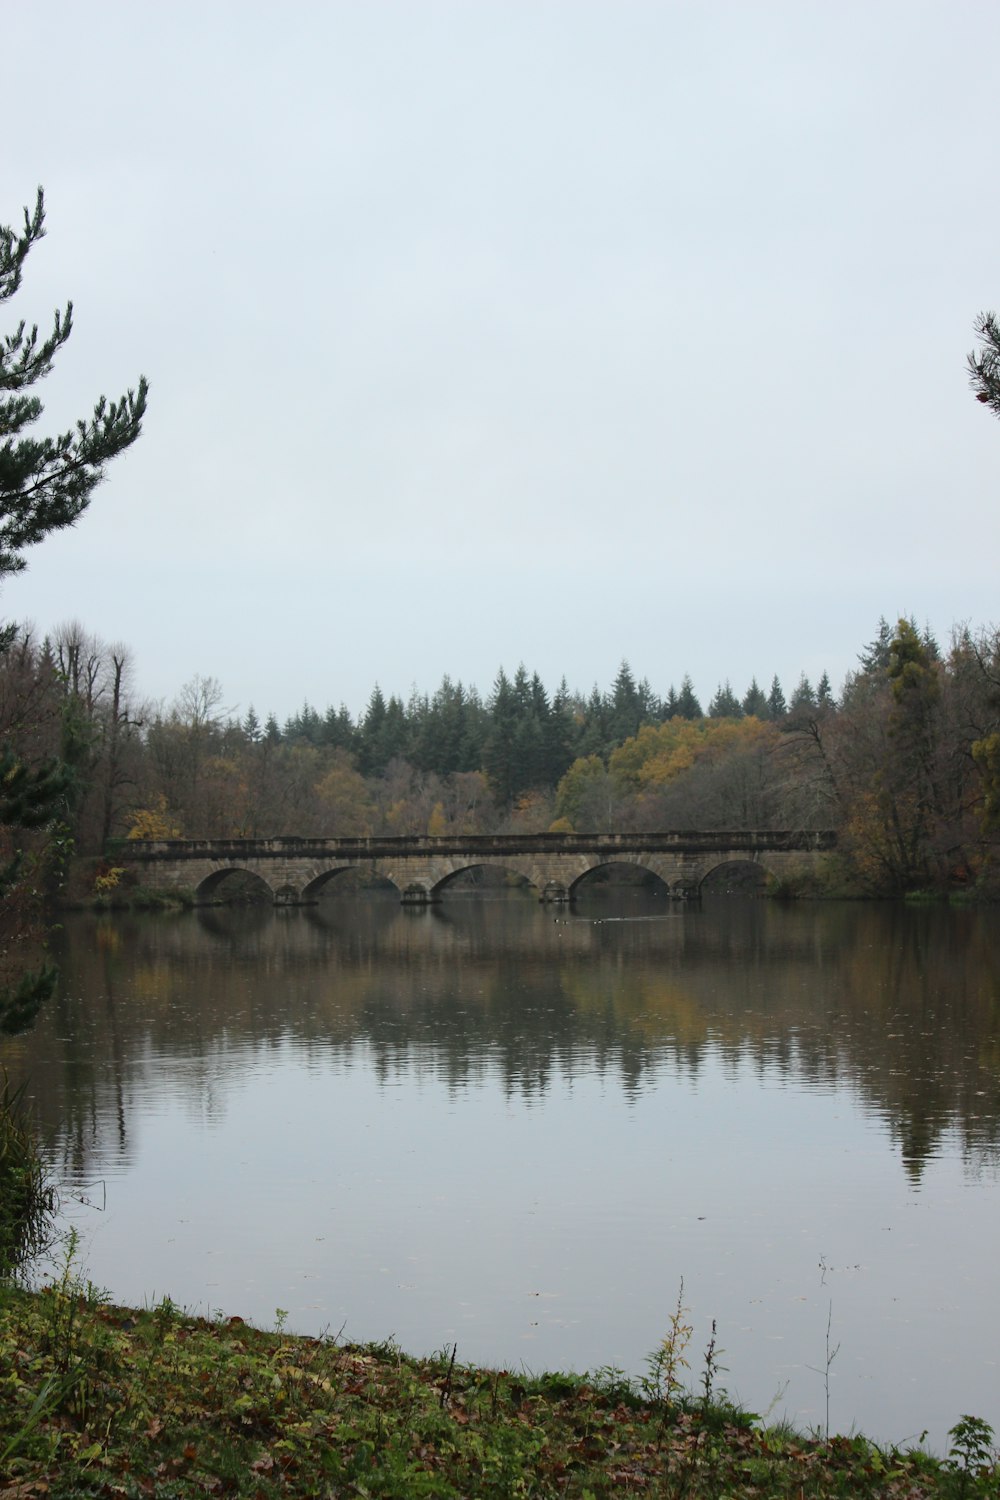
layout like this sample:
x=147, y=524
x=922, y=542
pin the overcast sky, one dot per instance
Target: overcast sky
x=559, y=332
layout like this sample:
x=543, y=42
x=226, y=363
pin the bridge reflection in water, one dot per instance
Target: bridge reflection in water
x=295, y=870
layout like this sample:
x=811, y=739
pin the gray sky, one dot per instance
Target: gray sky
x=565, y=332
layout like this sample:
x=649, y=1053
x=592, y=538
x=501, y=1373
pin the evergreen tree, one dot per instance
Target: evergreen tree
x=688, y=706
x=560, y=735
x=627, y=707
x=526, y=767
x=370, y=732
x=537, y=769
x=984, y=367
x=337, y=729
x=875, y=656
x=439, y=729
x=803, y=698
x=824, y=695
x=305, y=727
x=498, y=752
x=725, y=704
x=929, y=642
x=395, y=734
x=595, y=729
x=528, y=762
x=46, y=483
x=251, y=726
x=776, y=705
x=474, y=732
x=910, y=793
x=755, y=701
x=382, y=734
x=650, y=706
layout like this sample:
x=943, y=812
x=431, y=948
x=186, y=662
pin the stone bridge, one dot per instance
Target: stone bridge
x=295, y=870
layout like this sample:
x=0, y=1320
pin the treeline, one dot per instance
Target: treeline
x=905, y=763
x=520, y=737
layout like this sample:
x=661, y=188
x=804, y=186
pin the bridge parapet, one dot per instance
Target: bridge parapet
x=375, y=846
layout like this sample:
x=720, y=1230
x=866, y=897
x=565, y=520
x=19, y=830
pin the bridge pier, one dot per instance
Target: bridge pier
x=553, y=891
x=418, y=895
x=685, y=890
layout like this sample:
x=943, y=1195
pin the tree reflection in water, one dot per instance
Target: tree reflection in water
x=416, y=1119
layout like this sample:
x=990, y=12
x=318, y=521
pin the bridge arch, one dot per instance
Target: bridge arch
x=235, y=883
x=349, y=878
x=460, y=873
x=742, y=875
x=638, y=873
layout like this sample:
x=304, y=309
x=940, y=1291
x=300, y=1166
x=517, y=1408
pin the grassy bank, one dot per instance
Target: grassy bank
x=102, y=1401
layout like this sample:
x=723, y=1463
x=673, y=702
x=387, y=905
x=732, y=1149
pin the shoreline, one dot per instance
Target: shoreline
x=106, y=1401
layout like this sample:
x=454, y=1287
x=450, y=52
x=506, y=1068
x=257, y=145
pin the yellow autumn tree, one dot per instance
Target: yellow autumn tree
x=154, y=822
x=437, y=823
x=345, y=799
x=661, y=753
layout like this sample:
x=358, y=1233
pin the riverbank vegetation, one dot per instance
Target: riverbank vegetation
x=104, y=1401
x=27, y=1202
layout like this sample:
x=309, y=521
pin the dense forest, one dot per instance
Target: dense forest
x=904, y=764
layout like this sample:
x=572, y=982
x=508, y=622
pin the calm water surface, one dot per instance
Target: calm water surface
x=519, y=1130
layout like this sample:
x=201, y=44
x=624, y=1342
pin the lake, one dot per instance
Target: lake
x=521, y=1128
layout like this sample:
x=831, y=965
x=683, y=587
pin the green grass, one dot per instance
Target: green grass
x=97, y=1400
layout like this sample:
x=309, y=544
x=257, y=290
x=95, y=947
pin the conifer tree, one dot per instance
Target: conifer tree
x=498, y=752
x=688, y=706
x=755, y=701
x=875, y=656
x=595, y=730
x=560, y=734
x=824, y=694
x=627, y=707
x=803, y=698
x=725, y=704
x=776, y=705
x=984, y=367
x=372, y=731
x=46, y=483
x=251, y=726
x=338, y=728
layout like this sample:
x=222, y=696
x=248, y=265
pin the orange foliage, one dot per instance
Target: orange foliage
x=661, y=753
